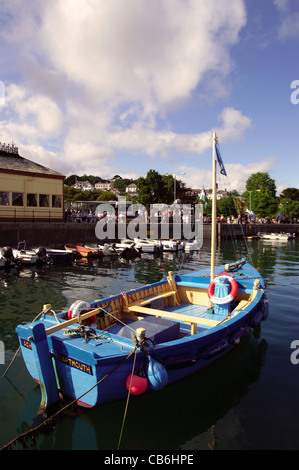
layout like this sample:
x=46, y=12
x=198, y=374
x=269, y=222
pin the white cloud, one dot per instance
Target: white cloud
x=289, y=25
x=90, y=142
x=234, y=124
x=140, y=53
x=159, y=143
x=99, y=75
x=37, y=115
x=281, y=5
x=237, y=174
x=126, y=49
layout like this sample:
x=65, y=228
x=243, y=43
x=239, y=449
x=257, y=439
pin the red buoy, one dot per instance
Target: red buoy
x=138, y=385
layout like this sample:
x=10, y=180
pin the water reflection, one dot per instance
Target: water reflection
x=193, y=407
x=186, y=415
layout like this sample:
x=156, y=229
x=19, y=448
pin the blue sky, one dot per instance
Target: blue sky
x=125, y=86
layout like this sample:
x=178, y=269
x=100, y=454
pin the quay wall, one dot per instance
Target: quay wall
x=57, y=234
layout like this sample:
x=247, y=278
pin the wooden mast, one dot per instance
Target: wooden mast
x=214, y=219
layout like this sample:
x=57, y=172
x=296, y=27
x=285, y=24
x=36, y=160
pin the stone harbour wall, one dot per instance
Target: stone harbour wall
x=57, y=234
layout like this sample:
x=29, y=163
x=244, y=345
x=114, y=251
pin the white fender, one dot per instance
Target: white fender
x=78, y=307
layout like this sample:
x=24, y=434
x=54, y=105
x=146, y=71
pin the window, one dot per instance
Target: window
x=56, y=201
x=17, y=199
x=32, y=200
x=43, y=200
x=4, y=198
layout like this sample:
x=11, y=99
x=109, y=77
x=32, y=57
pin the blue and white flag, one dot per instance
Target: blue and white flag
x=220, y=163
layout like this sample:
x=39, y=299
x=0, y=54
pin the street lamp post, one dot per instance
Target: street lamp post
x=174, y=189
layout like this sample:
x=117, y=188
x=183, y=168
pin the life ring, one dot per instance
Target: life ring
x=228, y=298
x=78, y=307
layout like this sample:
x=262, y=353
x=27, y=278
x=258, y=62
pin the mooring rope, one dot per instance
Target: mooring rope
x=17, y=351
x=127, y=402
x=34, y=431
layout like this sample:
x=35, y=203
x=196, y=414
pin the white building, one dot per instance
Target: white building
x=131, y=189
x=104, y=186
x=83, y=186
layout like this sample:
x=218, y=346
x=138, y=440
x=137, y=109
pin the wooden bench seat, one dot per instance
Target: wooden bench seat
x=151, y=298
x=194, y=321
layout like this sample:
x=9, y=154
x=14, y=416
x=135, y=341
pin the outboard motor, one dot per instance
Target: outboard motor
x=7, y=254
x=43, y=255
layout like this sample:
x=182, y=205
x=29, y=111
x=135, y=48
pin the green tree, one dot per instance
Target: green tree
x=261, y=180
x=81, y=196
x=107, y=196
x=289, y=208
x=155, y=188
x=70, y=193
x=290, y=193
x=227, y=206
x=70, y=180
x=149, y=188
x=90, y=178
x=171, y=188
x=264, y=204
x=260, y=195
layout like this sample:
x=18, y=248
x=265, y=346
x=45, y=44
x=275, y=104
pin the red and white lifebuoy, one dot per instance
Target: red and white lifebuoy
x=228, y=298
x=78, y=307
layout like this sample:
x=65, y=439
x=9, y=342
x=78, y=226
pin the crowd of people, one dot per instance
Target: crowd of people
x=252, y=219
x=169, y=216
x=80, y=216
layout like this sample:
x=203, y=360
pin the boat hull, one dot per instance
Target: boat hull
x=94, y=369
x=83, y=251
x=276, y=236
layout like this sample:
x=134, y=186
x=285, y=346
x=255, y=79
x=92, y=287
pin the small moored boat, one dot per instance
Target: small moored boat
x=128, y=248
x=59, y=256
x=146, y=245
x=191, y=245
x=276, y=236
x=107, y=249
x=171, y=245
x=84, y=251
x=26, y=258
x=144, y=339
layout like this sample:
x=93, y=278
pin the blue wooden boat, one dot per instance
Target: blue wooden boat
x=146, y=338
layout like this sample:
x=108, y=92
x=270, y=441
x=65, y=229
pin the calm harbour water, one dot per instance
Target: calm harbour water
x=247, y=400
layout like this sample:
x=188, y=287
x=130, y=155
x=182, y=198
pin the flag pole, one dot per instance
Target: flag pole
x=214, y=221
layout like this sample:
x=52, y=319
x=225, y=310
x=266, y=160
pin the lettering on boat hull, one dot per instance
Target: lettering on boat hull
x=75, y=363
x=26, y=343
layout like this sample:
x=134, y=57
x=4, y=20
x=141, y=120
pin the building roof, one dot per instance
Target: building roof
x=13, y=162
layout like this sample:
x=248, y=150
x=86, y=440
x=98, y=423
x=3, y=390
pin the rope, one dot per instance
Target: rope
x=213, y=445
x=117, y=319
x=227, y=182
x=11, y=362
x=17, y=351
x=127, y=403
x=31, y=432
x=86, y=333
